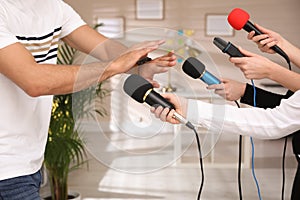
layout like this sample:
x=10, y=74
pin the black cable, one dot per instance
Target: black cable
x=289, y=63
x=239, y=167
x=240, y=162
x=283, y=168
x=201, y=163
x=284, y=151
x=143, y=60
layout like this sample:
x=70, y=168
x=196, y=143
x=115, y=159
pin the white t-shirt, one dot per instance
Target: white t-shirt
x=257, y=122
x=24, y=120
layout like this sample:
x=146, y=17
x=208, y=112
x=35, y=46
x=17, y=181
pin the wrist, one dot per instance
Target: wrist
x=140, y=64
x=134, y=70
x=184, y=106
x=274, y=72
x=108, y=72
x=270, y=69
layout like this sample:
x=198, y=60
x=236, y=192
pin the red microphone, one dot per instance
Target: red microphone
x=239, y=19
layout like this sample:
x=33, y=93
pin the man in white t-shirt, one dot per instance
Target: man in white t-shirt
x=29, y=35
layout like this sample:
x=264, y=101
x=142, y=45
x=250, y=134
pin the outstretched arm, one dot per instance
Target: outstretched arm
x=233, y=90
x=270, y=38
x=257, y=122
x=50, y=79
x=258, y=67
x=89, y=41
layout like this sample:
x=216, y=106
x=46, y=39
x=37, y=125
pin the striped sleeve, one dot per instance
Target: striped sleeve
x=43, y=48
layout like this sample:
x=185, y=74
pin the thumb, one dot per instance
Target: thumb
x=246, y=53
x=167, y=95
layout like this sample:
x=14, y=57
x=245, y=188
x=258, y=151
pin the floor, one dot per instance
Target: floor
x=180, y=179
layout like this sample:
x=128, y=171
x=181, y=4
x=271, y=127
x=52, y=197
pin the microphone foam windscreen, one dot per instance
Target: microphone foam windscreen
x=136, y=87
x=193, y=67
x=237, y=18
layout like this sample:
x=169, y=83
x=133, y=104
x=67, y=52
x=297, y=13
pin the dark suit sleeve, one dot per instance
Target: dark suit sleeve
x=264, y=99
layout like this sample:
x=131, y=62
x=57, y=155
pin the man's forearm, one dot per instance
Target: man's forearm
x=61, y=79
x=89, y=41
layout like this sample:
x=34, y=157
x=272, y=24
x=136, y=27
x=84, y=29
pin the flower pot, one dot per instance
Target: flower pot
x=74, y=196
x=71, y=196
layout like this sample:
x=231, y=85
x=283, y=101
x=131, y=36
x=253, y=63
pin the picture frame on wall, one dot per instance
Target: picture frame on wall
x=150, y=9
x=217, y=25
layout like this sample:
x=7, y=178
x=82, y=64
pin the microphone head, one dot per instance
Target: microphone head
x=136, y=87
x=220, y=43
x=237, y=18
x=193, y=67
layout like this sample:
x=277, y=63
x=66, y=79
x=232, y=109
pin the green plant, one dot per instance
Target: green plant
x=65, y=148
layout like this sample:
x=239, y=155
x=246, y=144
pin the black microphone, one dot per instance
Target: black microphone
x=238, y=19
x=142, y=91
x=196, y=69
x=227, y=47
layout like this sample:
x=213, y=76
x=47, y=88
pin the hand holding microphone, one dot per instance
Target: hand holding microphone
x=239, y=19
x=165, y=114
x=266, y=41
x=252, y=65
x=255, y=66
x=225, y=88
x=142, y=91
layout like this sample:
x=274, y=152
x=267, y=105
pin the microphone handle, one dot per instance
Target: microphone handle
x=154, y=99
x=184, y=121
x=209, y=79
x=232, y=50
x=250, y=27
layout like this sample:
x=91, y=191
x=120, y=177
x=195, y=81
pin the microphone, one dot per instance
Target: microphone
x=227, y=47
x=142, y=91
x=196, y=69
x=238, y=19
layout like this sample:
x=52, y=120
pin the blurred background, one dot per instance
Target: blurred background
x=189, y=28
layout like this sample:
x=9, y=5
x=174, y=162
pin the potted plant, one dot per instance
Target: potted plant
x=65, y=148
